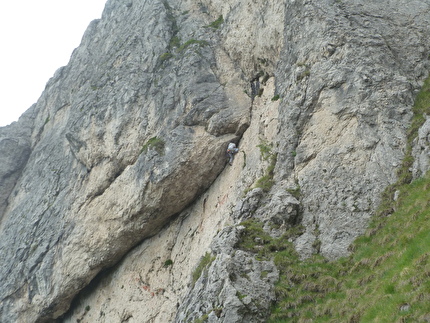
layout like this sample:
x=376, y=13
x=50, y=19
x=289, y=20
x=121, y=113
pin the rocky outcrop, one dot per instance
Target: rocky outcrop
x=121, y=165
x=421, y=151
x=235, y=288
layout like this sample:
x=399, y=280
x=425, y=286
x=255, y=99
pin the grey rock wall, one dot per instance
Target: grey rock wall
x=421, y=151
x=126, y=145
x=122, y=141
x=348, y=76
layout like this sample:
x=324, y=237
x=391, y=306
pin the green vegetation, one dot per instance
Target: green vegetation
x=175, y=41
x=386, y=279
x=420, y=109
x=175, y=47
x=404, y=175
x=240, y=295
x=276, y=97
x=203, y=319
x=260, y=92
x=190, y=42
x=266, y=181
x=168, y=263
x=295, y=192
x=265, y=149
x=171, y=17
x=154, y=143
x=263, y=61
x=165, y=56
x=254, y=239
x=217, y=23
x=304, y=74
x=204, y=264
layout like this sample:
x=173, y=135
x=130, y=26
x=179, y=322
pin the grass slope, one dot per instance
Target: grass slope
x=387, y=279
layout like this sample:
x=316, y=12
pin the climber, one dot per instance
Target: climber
x=231, y=151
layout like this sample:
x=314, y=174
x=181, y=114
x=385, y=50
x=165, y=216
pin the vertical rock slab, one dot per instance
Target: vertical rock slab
x=421, y=150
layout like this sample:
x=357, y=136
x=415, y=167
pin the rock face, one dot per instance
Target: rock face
x=15, y=147
x=347, y=94
x=161, y=273
x=126, y=148
x=421, y=150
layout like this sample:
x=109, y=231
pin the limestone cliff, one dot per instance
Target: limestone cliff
x=120, y=167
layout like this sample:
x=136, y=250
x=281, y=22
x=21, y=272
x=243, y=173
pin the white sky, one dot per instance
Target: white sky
x=37, y=37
